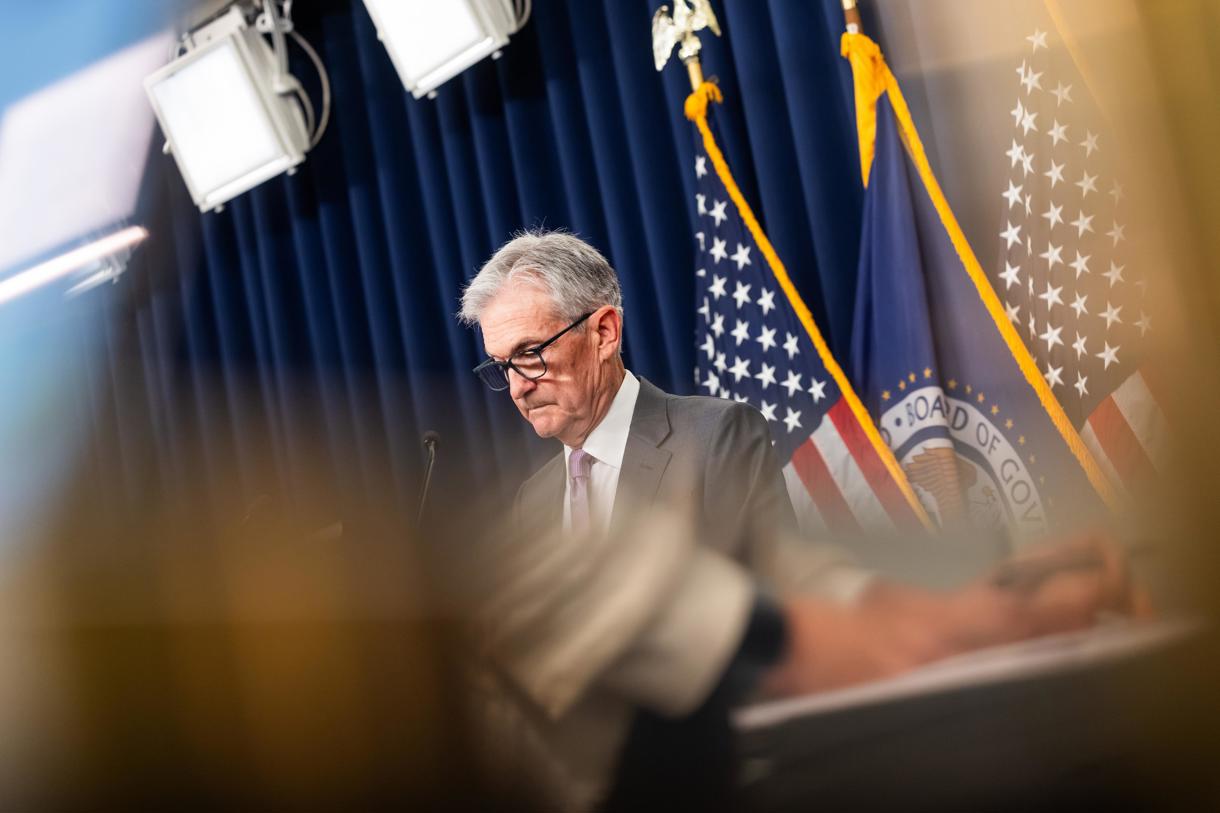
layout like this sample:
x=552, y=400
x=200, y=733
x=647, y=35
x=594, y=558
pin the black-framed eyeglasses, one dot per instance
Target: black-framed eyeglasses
x=528, y=363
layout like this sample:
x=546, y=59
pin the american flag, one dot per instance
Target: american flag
x=752, y=347
x=1065, y=271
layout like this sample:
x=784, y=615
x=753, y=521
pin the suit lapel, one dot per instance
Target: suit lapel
x=643, y=462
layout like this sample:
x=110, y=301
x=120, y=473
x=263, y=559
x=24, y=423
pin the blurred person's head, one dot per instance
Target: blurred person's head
x=550, y=305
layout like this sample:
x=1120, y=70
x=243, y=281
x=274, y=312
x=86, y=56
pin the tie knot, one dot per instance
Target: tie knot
x=580, y=463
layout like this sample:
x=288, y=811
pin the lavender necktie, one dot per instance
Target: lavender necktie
x=580, y=463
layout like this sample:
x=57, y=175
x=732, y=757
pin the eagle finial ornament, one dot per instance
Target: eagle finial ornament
x=688, y=17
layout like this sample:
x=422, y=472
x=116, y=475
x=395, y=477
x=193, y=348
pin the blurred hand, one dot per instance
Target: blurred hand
x=1063, y=595
x=895, y=628
x=830, y=645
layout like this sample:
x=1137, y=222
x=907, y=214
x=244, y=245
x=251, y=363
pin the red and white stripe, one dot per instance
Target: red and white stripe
x=838, y=482
x=1127, y=434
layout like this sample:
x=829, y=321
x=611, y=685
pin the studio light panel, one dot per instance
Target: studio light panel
x=430, y=42
x=225, y=126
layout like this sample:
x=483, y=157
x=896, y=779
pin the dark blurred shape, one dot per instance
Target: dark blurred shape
x=1073, y=740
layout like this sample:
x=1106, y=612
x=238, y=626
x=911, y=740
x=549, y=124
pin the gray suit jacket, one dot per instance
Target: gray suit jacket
x=709, y=457
x=583, y=631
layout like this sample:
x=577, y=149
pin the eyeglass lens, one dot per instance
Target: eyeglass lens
x=529, y=365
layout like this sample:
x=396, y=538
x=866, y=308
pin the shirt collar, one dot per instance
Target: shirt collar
x=608, y=440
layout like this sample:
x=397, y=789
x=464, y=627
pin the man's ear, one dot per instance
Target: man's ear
x=609, y=327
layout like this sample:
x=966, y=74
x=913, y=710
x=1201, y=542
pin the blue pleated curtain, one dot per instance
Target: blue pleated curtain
x=317, y=310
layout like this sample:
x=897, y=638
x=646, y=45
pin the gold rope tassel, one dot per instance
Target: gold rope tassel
x=696, y=110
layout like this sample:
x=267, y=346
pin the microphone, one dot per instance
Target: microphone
x=430, y=439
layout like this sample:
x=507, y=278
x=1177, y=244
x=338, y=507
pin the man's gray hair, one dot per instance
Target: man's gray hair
x=573, y=273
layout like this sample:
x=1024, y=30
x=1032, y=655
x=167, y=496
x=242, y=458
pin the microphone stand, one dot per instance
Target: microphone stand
x=431, y=438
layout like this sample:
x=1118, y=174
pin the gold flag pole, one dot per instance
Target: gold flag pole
x=679, y=29
x=851, y=15
x=695, y=71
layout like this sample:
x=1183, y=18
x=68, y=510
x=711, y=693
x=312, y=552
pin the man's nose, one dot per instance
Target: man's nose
x=519, y=385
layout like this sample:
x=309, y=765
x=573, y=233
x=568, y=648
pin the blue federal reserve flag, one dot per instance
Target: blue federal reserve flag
x=953, y=390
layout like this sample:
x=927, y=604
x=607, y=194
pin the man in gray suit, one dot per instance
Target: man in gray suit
x=654, y=563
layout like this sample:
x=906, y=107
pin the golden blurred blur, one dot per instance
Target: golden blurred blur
x=201, y=648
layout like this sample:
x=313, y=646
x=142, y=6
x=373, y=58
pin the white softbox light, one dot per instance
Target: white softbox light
x=430, y=42
x=225, y=124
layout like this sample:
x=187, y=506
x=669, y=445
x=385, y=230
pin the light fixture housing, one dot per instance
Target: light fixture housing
x=430, y=42
x=107, y=255
x=227, y=124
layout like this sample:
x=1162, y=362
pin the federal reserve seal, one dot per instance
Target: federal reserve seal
x=959, y=460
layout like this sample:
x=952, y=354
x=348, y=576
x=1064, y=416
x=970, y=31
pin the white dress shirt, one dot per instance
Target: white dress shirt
x=606, y=443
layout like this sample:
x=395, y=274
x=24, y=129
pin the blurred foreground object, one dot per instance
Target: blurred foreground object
x=196, y=648
x=1060, y=723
